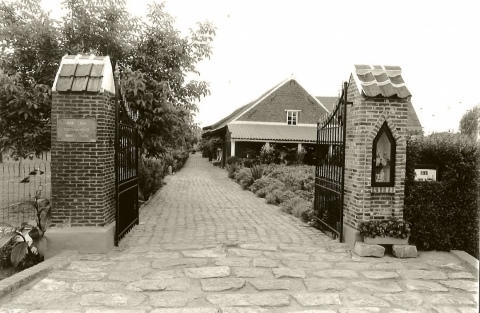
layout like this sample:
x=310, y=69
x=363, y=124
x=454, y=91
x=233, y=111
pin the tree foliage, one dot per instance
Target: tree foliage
x=154, y=60
x=469, y=122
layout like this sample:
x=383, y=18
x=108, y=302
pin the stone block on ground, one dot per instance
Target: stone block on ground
x=270, y=284
x=251, y=272
x=317, y=299
x=258, y=246
x=263, y=299
x=207, y=272
x=169, y=284
x=183, y=310
x=171, y=300
x=363, y=249
x=222, y=284
x=112, y=299
x=404, y=251
x=324, y=284
x=244, y=310
x=288, y=272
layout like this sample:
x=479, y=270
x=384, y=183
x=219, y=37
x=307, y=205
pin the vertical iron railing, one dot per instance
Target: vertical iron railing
x=330, y=168
x=126, y=170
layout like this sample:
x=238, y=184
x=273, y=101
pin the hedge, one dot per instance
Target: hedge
x=444, y=214
x=153, y=171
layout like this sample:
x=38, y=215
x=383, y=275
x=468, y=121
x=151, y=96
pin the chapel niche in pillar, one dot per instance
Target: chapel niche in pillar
x=383, y=158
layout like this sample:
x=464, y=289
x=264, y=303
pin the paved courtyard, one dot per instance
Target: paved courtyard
x=204, y=245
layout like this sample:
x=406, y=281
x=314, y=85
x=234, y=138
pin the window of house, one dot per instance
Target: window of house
x=292, y=117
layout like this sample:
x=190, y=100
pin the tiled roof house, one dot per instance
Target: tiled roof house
x=286, y=114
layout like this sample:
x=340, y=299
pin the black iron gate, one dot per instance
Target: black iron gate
x=126, y=169
x=330, y=168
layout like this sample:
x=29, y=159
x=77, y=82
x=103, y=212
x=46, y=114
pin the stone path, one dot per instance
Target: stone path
x=204, y=245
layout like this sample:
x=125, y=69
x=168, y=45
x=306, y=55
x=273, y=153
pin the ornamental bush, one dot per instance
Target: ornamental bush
x=266, y=185
x=290, y=187
x=180, y=157
x=268, y=155
x=231, y=170
x=244, y=178
x=150, y=177
x=444, y=214
x=234, y=160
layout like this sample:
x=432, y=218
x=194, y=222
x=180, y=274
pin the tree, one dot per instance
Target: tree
x=153, y=58
x=469, y=122
x=30, y=56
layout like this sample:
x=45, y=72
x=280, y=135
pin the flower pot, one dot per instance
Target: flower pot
x=385, y=240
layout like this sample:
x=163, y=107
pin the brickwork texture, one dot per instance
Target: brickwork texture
x=364, y=120
x=83, y=176
x=289, y=96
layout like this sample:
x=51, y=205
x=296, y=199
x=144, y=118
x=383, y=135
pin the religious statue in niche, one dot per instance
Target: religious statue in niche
x=382, y=167
x=383, y=156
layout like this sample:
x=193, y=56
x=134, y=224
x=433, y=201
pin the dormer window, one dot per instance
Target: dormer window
x=292, y=117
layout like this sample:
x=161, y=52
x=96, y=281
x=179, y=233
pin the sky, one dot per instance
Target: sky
x=260, y=43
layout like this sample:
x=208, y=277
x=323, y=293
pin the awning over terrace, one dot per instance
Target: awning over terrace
x=273, y=132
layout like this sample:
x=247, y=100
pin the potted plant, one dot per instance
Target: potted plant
x=393, y=231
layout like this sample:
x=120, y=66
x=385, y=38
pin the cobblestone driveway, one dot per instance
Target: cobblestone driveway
x=204, y=245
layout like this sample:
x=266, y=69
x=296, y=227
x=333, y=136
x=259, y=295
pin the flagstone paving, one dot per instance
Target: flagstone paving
x=205, y=246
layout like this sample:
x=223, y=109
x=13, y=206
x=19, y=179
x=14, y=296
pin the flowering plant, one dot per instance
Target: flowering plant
x=394, y=227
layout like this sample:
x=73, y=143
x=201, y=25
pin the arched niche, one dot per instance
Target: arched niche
x=383, y=158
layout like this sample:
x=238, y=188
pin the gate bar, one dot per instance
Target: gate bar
x=345, y=102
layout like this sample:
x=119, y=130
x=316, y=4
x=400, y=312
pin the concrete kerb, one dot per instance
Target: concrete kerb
x=468, y=260
x=15, y=282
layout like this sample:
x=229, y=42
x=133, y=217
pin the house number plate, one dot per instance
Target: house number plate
x=77, y=129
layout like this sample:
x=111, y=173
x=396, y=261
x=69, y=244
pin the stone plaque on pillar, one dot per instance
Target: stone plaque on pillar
x=77, y=129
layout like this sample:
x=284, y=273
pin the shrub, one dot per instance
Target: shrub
x=27, y=251
x=180, y=157
x=234, y=160
x=306, y=195
x=244, y=178
x=257, y=172
x=150, y=177
x=266, y=185
x=285, y=195
x=301, y=156
x=268, y=155
x=291, y=187
x=289, y=205
x=443, y=214
x=299, y=177
x=231, y=170
x=250, y=162
x=271, y=199
x=304, y=211
x=298, y=207
x=261, y=193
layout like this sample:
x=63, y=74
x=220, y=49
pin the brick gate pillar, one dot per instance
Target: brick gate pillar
x=83, y=176
x=374, y=180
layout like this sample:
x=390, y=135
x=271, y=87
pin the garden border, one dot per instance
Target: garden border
x=15, y=282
